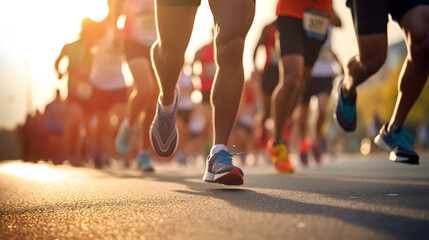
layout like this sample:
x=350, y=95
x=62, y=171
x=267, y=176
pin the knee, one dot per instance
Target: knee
x=419, y=50
x=293, y=80
x=229, y=51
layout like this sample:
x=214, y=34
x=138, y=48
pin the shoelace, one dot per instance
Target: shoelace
x=226, y=157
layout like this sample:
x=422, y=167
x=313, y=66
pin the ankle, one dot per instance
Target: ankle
x=169, y=108
x=393, y=127
x=348, y=93
x=217, y=148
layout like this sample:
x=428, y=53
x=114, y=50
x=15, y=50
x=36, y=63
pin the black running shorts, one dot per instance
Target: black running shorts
x=178, y=2
x=293, y=40
x=371, y=16
x=315, y=86
x=102, y=100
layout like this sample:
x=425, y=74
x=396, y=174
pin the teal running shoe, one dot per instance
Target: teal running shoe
x=219, y=169
x=123, y=138
x=145, y=163
x=345, y=112
x=397, y=142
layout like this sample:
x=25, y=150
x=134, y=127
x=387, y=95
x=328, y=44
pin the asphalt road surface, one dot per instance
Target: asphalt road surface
x=353, y=197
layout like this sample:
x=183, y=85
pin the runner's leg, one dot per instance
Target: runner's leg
x=416, y=66
x=232, y=21
x=174, y=24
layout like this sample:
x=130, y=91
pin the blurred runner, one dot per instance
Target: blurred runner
x=270, y=78
x=78, y=87
x=184, y=111
x=320, y=85
x=140, y=34
x=205, y=57
x=107, y=80
x=243, y=131
x=302, y=27
x=175, y=19
x=370, y=18
x=54, y=121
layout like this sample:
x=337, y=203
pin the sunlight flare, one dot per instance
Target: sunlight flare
x=31, y=171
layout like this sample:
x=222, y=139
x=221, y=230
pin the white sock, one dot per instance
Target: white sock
x=168, y=108
x=216, y=148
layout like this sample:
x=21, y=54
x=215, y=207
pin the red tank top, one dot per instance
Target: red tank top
x=296, y=8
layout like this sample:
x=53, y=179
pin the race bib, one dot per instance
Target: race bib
x=315, y=23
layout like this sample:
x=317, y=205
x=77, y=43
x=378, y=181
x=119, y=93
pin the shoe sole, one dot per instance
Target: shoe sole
x=163, y=155
x=339, y=120
x=148, y=170
x=285, y=170
x=232, y=177
x=409, y=161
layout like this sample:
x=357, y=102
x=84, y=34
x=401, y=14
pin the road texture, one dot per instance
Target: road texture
x=353, y=197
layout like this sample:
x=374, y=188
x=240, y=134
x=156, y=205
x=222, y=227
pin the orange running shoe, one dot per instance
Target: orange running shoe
x=280, y=157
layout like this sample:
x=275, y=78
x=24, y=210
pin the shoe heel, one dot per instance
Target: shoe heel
x=208, y=177
x=378, y=140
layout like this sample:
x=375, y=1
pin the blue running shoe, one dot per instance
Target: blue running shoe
x=345, y=112
x=145, y=163
x=164, y=136
x=124, y=138
x=397, y=142
x=219, y=169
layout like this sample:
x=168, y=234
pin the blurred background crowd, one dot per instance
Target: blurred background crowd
x=70, y=126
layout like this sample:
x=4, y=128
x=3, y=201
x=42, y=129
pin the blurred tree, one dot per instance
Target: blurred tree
x=380, y=97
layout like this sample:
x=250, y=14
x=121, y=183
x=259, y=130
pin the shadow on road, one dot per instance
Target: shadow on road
x=342, y=189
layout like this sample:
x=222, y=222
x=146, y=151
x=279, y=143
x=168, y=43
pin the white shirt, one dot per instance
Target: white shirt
x=106, y=72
